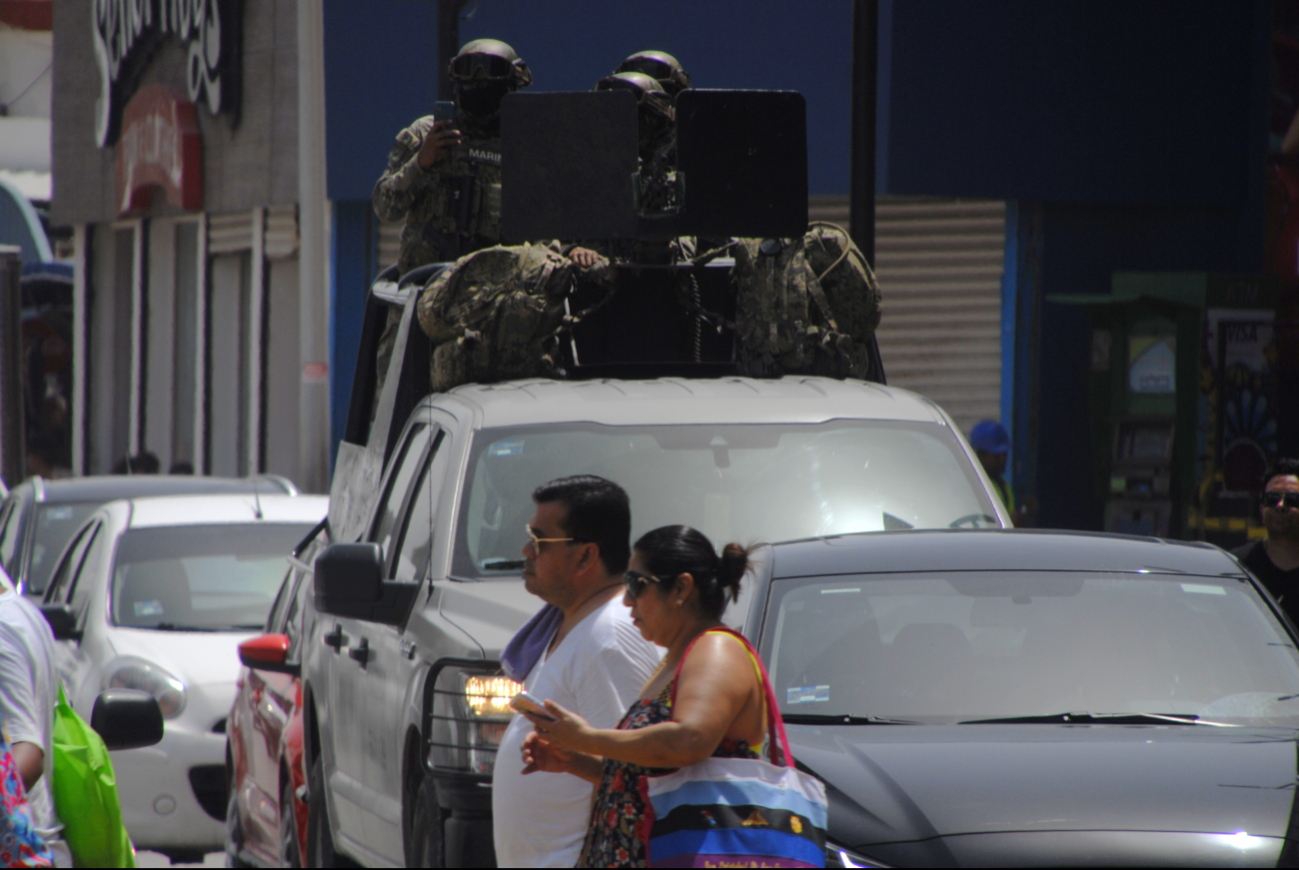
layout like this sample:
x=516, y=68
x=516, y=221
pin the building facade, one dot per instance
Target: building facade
x=176, y=155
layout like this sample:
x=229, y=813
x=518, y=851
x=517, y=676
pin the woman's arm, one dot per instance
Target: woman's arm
x=716, y=683
x=539, y=755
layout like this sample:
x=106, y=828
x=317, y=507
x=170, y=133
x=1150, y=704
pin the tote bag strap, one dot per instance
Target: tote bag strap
x=777, y=741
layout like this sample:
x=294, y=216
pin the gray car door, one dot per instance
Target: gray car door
x=357, y=806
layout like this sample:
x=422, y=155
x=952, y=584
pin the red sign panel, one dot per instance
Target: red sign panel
x=160, y=149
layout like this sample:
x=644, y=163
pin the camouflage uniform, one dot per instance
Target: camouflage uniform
x=450, y=209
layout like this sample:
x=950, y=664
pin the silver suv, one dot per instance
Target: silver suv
x=404, y=700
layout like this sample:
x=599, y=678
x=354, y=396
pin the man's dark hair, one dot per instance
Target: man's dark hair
x=597, y=511
x=1284, y=466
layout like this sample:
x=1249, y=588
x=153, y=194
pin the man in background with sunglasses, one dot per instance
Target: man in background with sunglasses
x=581, y=649
x=1275, y=559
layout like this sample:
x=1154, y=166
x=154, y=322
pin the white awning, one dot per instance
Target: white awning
x=36, y=186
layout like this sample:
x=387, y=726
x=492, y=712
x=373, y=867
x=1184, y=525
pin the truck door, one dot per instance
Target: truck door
x=361, y=807
x=394, y=658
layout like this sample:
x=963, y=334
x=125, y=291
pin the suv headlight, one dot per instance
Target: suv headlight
x=471, y=710
x=129, y=672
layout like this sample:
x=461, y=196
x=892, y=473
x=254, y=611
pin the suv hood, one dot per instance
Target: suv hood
x=1026, y=794
x=489, y=611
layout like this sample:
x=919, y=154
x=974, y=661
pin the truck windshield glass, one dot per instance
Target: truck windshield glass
x=974, y=646
x=55, y=524
x=201, y=578
x=747, y=483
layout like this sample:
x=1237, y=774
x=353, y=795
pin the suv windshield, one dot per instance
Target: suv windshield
x=55, y=524
x=203, y=578
x=745, y=483
x=973, y=645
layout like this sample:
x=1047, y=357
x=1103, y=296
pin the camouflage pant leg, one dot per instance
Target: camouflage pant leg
x=383, y=356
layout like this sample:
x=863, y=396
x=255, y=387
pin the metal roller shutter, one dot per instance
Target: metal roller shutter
x=939, y=264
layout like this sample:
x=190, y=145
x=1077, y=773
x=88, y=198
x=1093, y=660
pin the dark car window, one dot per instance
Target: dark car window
x=202, y=577
x=55, y=524
x=747, y=483
x=60, y=589
x=416, y=540
x=79, y=592
x=404, y=468
x=976, y=645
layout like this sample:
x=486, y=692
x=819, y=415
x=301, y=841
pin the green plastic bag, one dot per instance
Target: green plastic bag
x=85, y=794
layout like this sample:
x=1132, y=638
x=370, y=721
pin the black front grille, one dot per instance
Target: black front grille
x=209, y=784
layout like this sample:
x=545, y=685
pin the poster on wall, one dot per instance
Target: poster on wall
x=1247, y=425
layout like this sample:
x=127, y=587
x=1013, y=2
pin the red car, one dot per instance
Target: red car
x=266, y=819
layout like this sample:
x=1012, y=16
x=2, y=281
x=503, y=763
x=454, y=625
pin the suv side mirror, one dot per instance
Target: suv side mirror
x=127, y=719
x=269, y=652
x=349, y=582
x=63, y=622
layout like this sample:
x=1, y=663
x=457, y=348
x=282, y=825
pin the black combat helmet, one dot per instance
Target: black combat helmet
x=660, y=66
x=655, y=106
x=483, y=72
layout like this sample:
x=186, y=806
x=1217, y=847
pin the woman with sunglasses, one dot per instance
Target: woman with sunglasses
x=705, y=699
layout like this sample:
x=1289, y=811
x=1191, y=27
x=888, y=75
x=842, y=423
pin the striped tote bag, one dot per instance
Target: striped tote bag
x=738, y=812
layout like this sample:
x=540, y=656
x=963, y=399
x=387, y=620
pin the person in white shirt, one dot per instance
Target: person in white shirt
x=28, y=693
x=581, y=650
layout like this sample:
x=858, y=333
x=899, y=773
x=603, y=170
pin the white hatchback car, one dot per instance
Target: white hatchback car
x=157, y=594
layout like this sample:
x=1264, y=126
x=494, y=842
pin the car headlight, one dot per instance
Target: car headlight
x=489, y=697
x=133, y=673
x=838, y=856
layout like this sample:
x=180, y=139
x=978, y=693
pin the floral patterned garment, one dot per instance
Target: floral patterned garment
x=20, y=845
x=613, y=839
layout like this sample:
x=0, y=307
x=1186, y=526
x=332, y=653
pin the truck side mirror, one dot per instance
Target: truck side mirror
x=348, y=579
x=127, y=719
x=63, y=622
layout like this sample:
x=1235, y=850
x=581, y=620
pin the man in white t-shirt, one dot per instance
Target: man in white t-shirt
x=28, y=693
x=582, y=651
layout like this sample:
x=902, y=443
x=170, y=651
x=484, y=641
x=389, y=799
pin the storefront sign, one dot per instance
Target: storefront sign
x=160, y=149
x=126, y=32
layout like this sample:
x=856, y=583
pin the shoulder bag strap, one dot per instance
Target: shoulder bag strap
x=778, y=741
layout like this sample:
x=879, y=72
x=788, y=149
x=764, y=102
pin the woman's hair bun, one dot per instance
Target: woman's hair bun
x=734, y=563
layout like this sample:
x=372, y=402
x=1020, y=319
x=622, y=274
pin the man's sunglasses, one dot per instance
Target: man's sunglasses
x=481, y=66
x=637, y=581
x=1275, y=498
x=537, y=542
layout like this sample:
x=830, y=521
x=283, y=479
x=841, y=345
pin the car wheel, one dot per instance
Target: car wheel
x=426, y=827
x=320, y=842
x=289, y=853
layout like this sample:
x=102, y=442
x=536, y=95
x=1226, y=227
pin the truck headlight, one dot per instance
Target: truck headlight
x=130, y=672
x=489, y=697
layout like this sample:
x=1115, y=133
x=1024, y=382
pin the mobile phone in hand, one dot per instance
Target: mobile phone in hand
x=525, y=703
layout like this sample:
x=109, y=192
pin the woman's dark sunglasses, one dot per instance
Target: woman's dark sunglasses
x=636, y=582
x=1276, y=498
x=487, y=66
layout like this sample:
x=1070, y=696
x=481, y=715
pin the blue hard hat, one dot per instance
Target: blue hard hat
x=990, y=437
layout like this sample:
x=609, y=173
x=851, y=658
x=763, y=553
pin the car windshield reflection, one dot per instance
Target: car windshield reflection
x=202, y=577
x=1029, y=647
x=749, y=483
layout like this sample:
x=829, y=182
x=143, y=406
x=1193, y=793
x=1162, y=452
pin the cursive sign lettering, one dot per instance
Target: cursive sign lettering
x=125, y=33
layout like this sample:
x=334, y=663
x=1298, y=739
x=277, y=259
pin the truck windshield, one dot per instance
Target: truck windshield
x=745, y=483
x=203, y=577
x=1031, y=647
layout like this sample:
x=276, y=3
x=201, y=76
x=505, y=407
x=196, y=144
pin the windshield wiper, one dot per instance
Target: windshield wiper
x=833, y=719
x=1100, y=718
x=503, y=565
x=176, y=626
